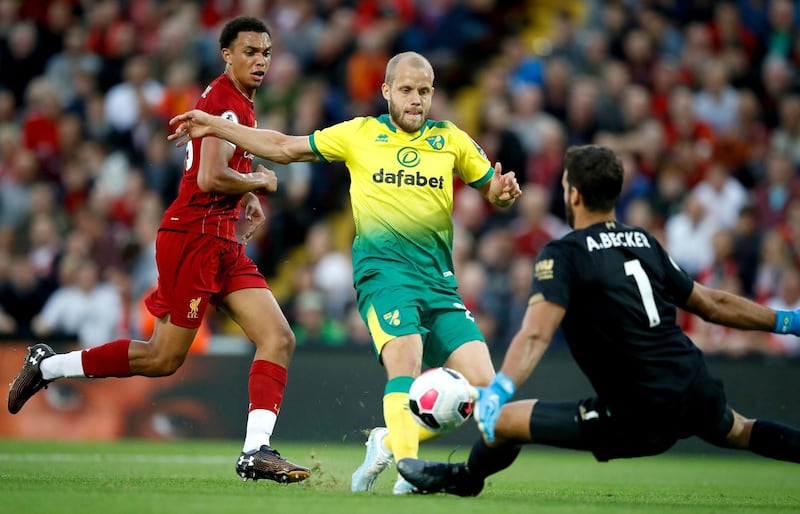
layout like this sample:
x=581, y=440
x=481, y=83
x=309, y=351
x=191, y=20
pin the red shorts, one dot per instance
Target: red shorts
x=195, y=270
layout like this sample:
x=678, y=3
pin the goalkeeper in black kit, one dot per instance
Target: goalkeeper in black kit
x=614, y=291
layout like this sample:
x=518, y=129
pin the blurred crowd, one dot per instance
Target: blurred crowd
x=700, y=98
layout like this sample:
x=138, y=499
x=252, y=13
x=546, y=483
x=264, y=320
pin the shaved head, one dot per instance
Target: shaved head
x=412, y=59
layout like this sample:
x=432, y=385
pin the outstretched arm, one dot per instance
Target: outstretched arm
x=268, y=144
x=531, y=340
x=526, y=350
x=502, y=190
x=731, y=310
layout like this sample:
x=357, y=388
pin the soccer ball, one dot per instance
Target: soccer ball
x=440, y=399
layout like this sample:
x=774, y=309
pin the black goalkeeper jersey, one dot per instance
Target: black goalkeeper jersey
x=620, y=290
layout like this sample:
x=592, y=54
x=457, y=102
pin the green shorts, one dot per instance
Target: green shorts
x=439, y=316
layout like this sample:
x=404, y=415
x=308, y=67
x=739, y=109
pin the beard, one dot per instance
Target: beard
x=569, y=213
x=397, y=115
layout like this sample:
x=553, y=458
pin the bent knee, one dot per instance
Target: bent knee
x=285, y=341
x=739, y=434
x=282, y=341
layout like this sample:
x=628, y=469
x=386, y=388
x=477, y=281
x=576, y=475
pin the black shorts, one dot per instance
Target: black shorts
x=637, y=430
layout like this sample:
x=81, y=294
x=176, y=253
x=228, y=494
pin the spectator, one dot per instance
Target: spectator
x=777, y=79
x=581, y=112
x=16, y=185
x=129, y=105
x=786, y=136
x=641, y=214
x=534, y=225
x=688, y=236
x=727, y=30
x=45, y=247
x=181, y=92
x=22, y=296
x=723, y=265
x=723, y=192
x=782, y=30
x=775, y=256
x=775, y=193
x=40, y=126
x=332, y=270
x=716, y=104
x=497, y=138
x=747, y=247
x=88, y=309
x=669, y=190
x=357, y=332
x=365, y=70
x=689, y=139
x=666, y=37
x=528, y=120
x=312, y=325
x=64, y=67
x=21, y=59
x=615, y=79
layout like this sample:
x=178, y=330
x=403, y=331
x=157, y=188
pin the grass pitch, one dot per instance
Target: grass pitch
x=190, y=478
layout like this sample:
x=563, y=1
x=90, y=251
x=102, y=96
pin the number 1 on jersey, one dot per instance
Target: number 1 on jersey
x=634, y=269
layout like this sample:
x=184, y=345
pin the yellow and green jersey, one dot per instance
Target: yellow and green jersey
x=401, y=190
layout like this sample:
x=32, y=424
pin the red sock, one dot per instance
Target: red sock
x=266, y=385
x=108, y=360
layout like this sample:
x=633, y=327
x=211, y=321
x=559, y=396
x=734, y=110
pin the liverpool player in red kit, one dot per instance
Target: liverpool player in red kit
x=201, y=262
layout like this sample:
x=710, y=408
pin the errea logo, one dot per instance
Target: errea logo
x=382, y=138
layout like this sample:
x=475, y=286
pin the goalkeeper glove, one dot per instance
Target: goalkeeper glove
x=490, y=401
x=787, y=322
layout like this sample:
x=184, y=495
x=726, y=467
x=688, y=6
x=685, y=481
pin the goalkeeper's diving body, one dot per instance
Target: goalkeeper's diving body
x=613, y=290
x=402, y=167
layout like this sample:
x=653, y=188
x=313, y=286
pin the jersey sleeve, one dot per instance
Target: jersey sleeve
x=217, y=104
x=679, y=284
x=553, y=272
x=331, y=143
x=472, y=165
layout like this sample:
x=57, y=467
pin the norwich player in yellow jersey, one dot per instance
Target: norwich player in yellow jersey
x=401, y=167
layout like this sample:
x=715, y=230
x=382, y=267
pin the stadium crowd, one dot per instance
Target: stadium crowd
x=700, y=98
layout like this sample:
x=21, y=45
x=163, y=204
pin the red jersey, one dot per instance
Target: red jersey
x=213, y=214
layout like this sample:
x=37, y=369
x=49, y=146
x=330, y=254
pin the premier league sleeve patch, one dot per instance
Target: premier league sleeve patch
x=230, y=116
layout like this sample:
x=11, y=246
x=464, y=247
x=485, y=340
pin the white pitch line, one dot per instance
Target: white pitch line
x=97, y=457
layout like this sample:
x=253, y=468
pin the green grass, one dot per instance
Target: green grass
x=190, y=478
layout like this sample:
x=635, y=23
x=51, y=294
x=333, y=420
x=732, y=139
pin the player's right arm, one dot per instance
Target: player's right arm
x=526, y=349
x=268, y=144
x=546, y=309
x=215, y=176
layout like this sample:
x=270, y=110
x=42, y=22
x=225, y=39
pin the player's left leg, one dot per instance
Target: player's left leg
x=717, y=423
x=160, y=356
x=763, y=437
x=257, y=312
